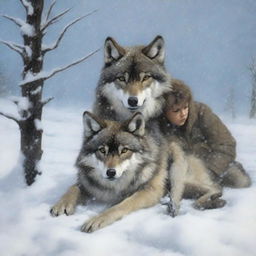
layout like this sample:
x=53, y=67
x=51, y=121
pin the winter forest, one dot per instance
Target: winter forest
x=51, y=56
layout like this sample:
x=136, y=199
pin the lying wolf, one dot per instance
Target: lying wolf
x=120, y=163
x=125, y=165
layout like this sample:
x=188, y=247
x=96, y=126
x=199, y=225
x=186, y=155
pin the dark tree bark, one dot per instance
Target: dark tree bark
x=31, y=135
x=33, y=31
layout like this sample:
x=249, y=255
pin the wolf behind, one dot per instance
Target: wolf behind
x=126, y=166
x=132, y=79
x=120, y=163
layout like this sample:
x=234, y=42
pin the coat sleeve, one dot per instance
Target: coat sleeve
x=222, y=144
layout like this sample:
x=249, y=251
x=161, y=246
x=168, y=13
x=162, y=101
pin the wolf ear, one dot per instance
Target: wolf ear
x=92, y=124
x=136, y=124
x=113, y=51
x=155, y=50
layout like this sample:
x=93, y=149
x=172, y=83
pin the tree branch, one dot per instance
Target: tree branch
x=23, y=4
x=47, y=101
x=54, y=72
x=10, y=117
x=54, y=19
x=46, y=75
x=15, y=47
x=57, y=42
x=50, y=9
x=17, y=21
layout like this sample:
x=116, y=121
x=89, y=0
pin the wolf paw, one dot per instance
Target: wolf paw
x=210, y=204
x=62, y=207
x=96, y=223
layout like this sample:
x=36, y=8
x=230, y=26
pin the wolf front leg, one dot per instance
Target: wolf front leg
x=68, y=202
x=141, y=199
x=177, y=178
x=144, y=198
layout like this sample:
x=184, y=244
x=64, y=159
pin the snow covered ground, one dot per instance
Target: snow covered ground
x=27, y=229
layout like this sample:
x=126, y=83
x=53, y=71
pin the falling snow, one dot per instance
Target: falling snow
x=28, y=229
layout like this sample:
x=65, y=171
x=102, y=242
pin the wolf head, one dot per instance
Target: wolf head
x=134, y=78
x=110, y=148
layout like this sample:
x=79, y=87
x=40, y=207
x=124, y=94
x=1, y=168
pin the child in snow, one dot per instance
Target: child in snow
x=202, y=133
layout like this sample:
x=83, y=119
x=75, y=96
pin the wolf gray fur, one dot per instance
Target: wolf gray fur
x=119, y=163
x=132, y=79
x=189, y=178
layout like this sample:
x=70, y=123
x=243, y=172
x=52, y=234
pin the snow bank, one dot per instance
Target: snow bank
x=28, y=229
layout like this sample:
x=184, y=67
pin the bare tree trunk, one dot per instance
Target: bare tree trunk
x=31, y=133
x=30, y=111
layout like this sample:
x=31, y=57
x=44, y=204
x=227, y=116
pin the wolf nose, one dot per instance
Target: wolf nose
x=111, y=173
x=133, y=101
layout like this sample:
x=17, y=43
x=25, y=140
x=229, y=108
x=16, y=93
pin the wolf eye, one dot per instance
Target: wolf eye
x=146, y=77
x=102, y=150
x=121, y=78
x=124, y=150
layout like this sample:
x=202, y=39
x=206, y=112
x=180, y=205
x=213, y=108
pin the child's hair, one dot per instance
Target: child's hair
x=179, y=95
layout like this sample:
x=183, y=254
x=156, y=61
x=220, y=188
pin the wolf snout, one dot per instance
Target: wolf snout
x=111, y=173
x=133, y=101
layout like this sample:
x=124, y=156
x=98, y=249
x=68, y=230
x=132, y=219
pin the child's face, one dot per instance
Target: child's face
x=178, y=114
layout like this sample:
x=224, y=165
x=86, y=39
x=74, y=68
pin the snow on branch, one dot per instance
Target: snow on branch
x=10, y=117
x=21, y=103
x=19, y=22
x=26, y=29
x=16, y=47
x=42, y=76
x=57, y=42
x=23, y=107
x=28, y=6
x=54, y=19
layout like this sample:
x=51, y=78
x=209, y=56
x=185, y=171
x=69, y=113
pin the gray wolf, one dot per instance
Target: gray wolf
x=125, y=165
x=120, y=163
x=132, y=79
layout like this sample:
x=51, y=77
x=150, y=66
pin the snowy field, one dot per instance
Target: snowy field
x=27, y=229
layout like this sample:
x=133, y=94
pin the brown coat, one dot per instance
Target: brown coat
x=204, y=135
